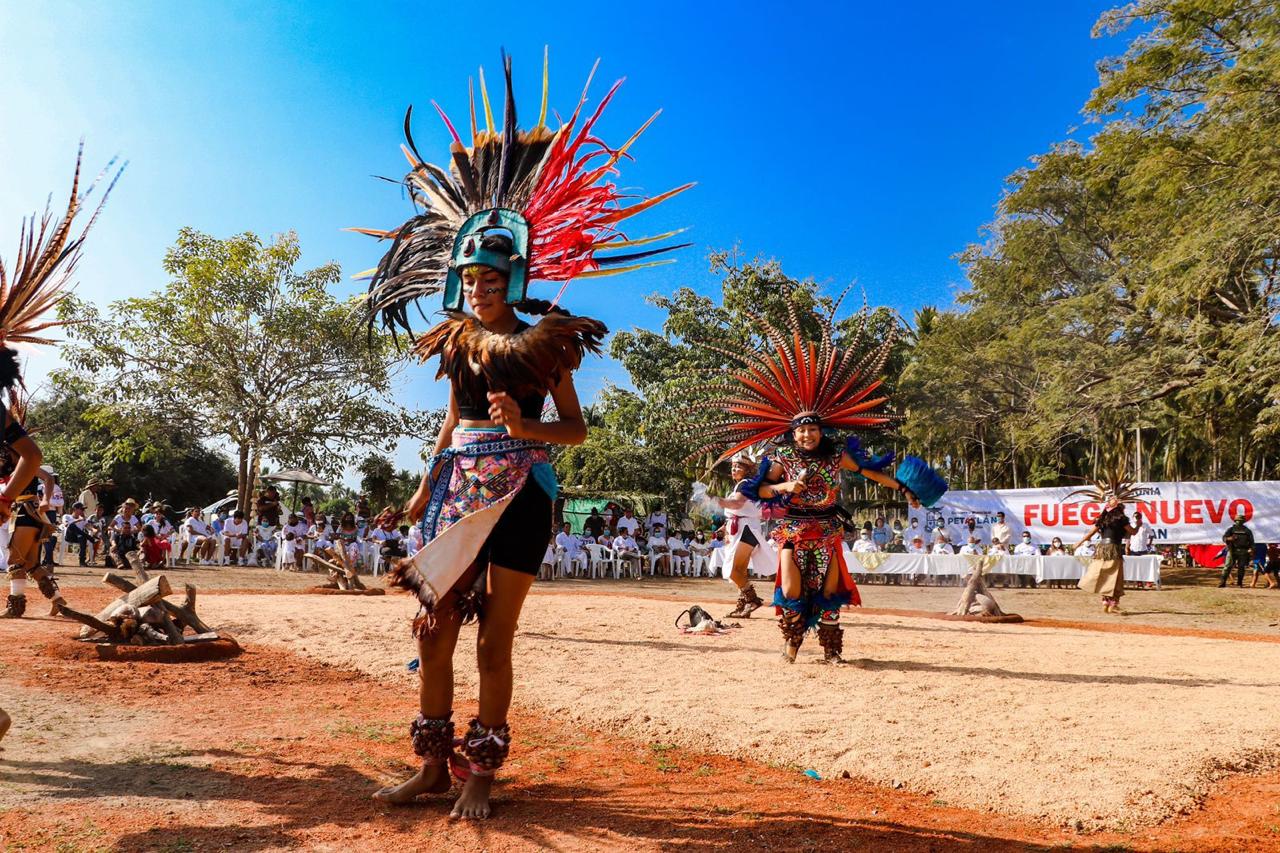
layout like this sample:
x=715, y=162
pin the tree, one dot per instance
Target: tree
x=646, y=435
x=82, y=440
x=241, y=346
x=1128, y=286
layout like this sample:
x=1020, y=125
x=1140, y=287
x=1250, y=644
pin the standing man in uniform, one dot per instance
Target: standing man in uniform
x=1239, y=541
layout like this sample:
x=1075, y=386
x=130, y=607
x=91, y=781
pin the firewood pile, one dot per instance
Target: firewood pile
x=141, y=616
x=344, y=573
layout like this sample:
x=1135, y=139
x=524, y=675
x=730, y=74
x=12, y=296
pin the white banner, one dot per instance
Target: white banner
x=1179, y=513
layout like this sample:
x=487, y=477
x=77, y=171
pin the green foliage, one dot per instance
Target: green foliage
x=383, y=484
x=242, y=346
x=1130, y=284
x=82, y=439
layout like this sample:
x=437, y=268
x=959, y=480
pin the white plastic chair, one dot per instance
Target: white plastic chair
x=601, y=561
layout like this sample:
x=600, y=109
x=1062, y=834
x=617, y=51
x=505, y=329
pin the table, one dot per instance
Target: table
x=1144, y=569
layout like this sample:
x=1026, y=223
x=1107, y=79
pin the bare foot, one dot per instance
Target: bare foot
x=473, y=804
x=431, y=779
x=5, y=721
x=56, y=609
x=789, y=652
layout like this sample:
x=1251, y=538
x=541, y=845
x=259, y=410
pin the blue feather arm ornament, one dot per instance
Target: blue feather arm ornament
x=750, y=487
x=917, y=477
x=853, y=447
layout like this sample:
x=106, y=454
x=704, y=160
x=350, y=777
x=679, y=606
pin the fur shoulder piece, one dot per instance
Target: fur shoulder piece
x=528, y=362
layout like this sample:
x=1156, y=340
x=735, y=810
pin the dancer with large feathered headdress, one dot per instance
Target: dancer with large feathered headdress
x=48, y=252
x=1105, y=574
x=511, y=207
x=793, y=392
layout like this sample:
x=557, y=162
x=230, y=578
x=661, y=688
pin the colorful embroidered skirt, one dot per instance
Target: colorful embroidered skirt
x=818, y=550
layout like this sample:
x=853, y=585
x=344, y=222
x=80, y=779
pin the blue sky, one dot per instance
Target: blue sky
x=852, y=142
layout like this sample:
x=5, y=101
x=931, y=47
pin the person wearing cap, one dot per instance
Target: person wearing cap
x=917, y=546
x=1239, y=542
x=76, y=528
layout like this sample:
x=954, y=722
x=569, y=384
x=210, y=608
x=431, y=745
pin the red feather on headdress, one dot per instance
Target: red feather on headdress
x=789, y=376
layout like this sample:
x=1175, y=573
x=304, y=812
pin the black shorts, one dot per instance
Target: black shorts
x=519, y=540
x=749, y=537
x=26, y=517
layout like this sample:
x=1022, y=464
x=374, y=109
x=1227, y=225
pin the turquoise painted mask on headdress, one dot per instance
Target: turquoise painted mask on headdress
x=468, y=250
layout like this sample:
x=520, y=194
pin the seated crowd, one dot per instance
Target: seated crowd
x=155, y=533
x=631, y=546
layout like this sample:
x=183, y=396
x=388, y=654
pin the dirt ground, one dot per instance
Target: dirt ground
x=1151, y=731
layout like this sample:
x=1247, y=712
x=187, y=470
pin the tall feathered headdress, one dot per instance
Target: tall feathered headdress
x=790, y=379
x=549, y=191
x=46, y=260
x=1114, y=483
x=48, y=252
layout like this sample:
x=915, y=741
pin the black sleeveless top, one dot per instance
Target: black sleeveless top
x=1114, y=526
x=10, y=432
x=473, y=405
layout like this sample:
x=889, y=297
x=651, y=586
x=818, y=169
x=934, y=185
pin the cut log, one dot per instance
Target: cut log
x=185, y=614
x=139, y=597
x=120, y=583
x=93, y=625
x=157, y=615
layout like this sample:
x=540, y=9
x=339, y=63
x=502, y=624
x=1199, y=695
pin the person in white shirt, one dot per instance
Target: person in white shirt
x=625, y=548
x=235, y=538
x=679, y=554
x=656, y=519
x=294, y=549
x=296, y=525
x=1001, y=532
x=53, y=504
x=917, y=546
x=605, y=541
x=1141, y=541
x=199, y=536
x=628, y=523
x=1084, y=549
x=942, y=546
x=320, y=534
x=161, y=524
x=658, y=547
x=865, y=544
x=972, y=546
x=1025, y=548
x=89, y=497
x=569, y=547
x=128, y=513
x=76, y=529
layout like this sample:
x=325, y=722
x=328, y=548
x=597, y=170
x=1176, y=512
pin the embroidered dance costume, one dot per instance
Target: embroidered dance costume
x=787, y=382
x=535, y=204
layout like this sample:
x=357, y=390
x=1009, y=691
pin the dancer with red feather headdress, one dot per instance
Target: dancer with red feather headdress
x=513, y=206
x=794, y=392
